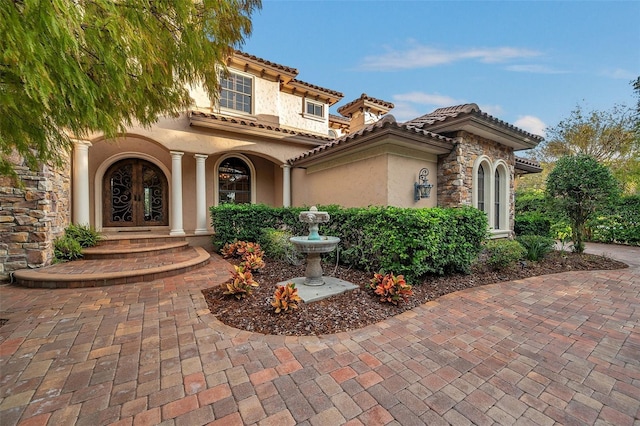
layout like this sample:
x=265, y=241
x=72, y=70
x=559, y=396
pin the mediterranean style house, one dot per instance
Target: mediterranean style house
x=268, y=139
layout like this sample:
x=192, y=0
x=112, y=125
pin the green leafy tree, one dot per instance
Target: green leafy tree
x=579, y=185
x=608, y=136
x=71, y=67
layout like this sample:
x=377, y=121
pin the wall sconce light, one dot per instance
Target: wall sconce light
x=422, y=188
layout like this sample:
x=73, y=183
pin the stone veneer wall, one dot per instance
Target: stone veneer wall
x=455, y=170
x=32, y=216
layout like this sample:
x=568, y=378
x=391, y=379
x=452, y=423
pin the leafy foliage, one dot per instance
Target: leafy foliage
x=536, y=246
x=411, y=242
x=78, y=66
x=66, y=248
x=618, y=222
x=390, y=288
x=85, y=235
x=503, y=253
x=611, y=137
x=241, y=249
x=241, y=283
x=579, y=186
x=277, y=246
x=285, y=298
x=252, y=262
x=532, y=224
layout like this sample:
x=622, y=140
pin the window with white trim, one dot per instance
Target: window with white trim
x=481, y=187
x=236, y=92
x=496, y=198
x=234, y=181
x=314, y=109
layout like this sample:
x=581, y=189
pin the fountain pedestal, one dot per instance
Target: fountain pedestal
x=313, y=272
x=314, y=286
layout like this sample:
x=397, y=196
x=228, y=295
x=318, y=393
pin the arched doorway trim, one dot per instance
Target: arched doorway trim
x=99, y=177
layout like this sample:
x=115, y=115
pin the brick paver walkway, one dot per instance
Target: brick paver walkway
x=557, y=349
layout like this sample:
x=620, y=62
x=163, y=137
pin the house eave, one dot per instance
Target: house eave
x=391, y=134
x=488, y=130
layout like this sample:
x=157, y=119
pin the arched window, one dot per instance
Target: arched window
x=497, y=198
x=480, y=185
x=234, y=181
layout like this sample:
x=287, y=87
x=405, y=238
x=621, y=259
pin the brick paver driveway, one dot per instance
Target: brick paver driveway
x=558, y=349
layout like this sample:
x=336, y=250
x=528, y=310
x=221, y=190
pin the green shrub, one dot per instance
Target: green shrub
x=66, y=248
x=84, y=235
x=531, y=201
x=409, y=242
x=618, y=223
x=277, y=246
x=536, y=246
x=532, y=223
x=503, y=253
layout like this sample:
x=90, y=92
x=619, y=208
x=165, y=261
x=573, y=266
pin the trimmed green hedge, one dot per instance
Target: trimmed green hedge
x=411, y=242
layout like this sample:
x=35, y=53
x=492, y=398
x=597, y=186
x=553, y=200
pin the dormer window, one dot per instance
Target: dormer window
x=236, y=93
x=314, y=109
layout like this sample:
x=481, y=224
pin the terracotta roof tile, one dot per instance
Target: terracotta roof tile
x=256, y=124
x=284, y=68
x=443, y=114
x=365, y=97
x=318, y=88
x=388, y=121
x=527, y=165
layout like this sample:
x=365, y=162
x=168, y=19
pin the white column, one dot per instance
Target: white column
x=201, y=195
x=286, y=185
x=176, y=193
x=81, y=182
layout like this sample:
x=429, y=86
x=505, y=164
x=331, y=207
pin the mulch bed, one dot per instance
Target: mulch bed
x=358, y=308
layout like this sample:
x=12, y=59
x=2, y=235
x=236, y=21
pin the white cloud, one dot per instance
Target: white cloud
x=620, y=74
x=535, y=69
x=404, y=111
x=427, y=99
x=531, y=124
x=420, y=56
x=415, y=104
x=494, y=110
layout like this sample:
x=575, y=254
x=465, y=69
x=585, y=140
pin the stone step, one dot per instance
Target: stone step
x=140, y=249
x=120, y=258
x=126, y=239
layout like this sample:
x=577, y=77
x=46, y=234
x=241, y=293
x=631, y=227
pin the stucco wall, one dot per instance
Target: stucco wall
x=374, y=177
x=291, y=115
x=32, y=216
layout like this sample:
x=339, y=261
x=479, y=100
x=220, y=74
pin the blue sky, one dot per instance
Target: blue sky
x=528, y=63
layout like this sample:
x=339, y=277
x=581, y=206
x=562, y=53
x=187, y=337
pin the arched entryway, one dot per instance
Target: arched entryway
x=135, y=194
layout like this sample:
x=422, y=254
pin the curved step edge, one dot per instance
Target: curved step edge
x=34, y=279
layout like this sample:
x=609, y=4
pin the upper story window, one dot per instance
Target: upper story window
x=236, y=92
x=314, y=109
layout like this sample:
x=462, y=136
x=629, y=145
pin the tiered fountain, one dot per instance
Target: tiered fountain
x=314, y=286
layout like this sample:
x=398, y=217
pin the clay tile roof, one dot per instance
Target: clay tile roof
x=255, y=124
x=283, y=68
x=441, y=115
x=388, y=121
x=318, y=88
x=338, y=118
x=365, y=97
x=527, y=165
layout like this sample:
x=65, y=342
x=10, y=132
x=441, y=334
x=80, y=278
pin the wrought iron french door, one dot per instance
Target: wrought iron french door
x=135, y=194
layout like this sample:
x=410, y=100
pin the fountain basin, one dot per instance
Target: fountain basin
x=323, y=245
